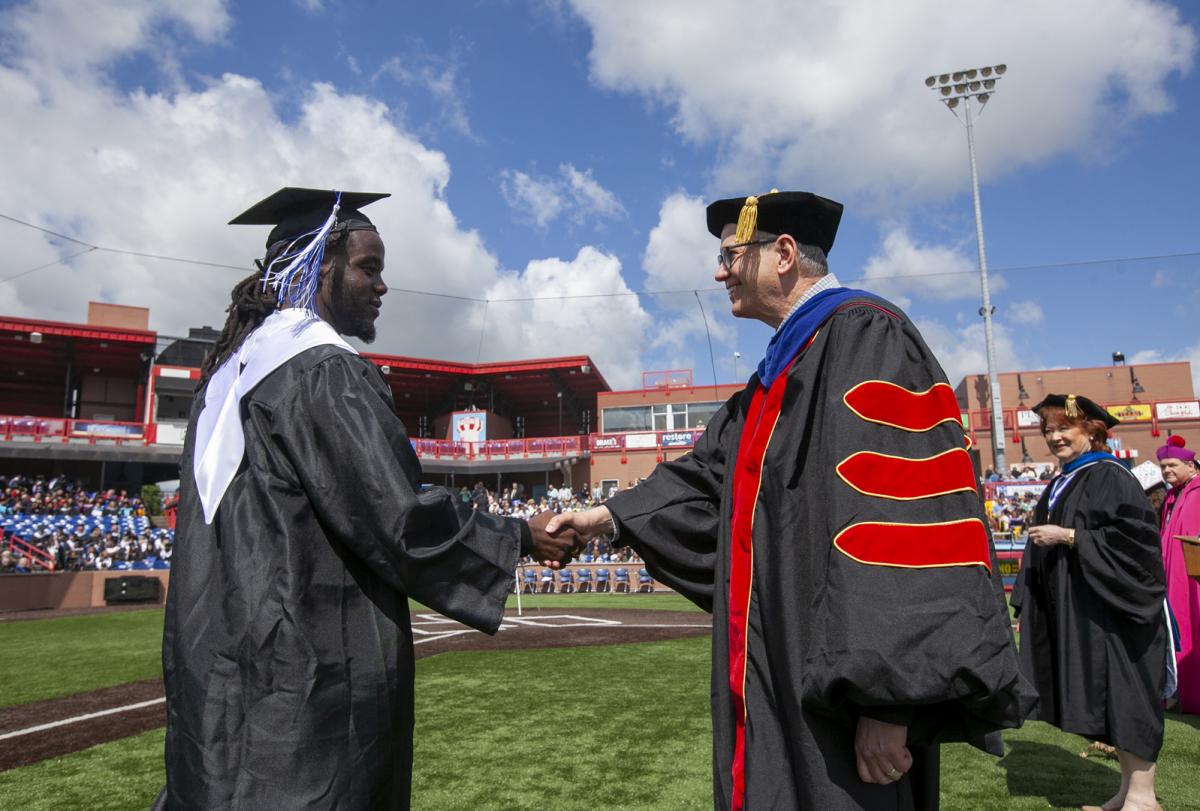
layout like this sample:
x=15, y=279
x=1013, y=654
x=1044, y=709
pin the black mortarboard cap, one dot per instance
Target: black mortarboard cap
x=807, y=217
x=1074, y=405
x=295, y=212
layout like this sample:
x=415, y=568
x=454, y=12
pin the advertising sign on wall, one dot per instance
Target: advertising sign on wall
x=1027, y=419
x=612, y=442
x=1133, y=412
x=1189, y=410
x=633, y=441
x=677, y=439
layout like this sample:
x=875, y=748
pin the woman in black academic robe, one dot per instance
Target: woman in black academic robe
x=1090, y=600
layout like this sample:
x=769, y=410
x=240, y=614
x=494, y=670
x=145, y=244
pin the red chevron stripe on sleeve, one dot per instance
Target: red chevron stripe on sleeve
x=888, y=404
x=916, y=546
x=896, y=477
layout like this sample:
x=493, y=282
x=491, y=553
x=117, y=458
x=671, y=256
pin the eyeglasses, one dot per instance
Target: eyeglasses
x=727, y=257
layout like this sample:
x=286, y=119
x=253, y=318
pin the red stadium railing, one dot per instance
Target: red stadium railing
x=90, y=432
x=39, y=557
x=536, y=447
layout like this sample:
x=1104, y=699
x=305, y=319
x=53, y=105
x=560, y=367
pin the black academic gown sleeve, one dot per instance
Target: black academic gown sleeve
x=1115, y=540
x=904, y=641
x=673, y=517
x=360, y=473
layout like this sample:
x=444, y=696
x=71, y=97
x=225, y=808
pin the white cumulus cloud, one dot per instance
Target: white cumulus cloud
x=681, y=256
x=961, y=349
x=905, y=269
x=572, y=193
x=161, y=172
x=1026, y=312
x=832, y=95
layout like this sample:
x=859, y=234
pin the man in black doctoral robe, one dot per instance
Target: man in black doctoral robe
x=302, y=532
x=829, y=518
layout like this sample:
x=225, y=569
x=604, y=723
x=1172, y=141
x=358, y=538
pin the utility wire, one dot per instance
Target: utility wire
x=694, y=290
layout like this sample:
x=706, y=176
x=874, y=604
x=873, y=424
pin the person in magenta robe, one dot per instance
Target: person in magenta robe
x=1181, y=516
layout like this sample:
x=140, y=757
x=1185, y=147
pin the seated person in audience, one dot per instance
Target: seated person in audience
x=8, y=564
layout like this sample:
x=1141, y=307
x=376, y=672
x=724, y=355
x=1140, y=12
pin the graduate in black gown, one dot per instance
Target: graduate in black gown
x=1090, y=599
x=829, y=518
x=302, y=532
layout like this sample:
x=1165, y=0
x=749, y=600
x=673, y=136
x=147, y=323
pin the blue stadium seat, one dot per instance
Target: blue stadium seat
x=566, y=581
x=602, y=576
x=622, y=581
x=585, y=581
x=645, y=581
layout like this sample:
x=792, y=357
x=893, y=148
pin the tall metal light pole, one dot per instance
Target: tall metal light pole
x=963, y=88
x=736, y=357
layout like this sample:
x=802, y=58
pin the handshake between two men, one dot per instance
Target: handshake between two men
x=558, y=537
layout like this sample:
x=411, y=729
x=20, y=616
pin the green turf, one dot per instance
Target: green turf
x=120, y=776
x=58, y=657
x=661, y=601
x=623, y=727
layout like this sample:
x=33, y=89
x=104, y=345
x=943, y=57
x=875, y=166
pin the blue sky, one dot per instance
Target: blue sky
x=565, y=148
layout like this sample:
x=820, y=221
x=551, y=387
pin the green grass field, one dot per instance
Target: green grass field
x=490, y=735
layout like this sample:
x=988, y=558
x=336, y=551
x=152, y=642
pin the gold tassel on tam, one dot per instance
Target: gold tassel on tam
x=747, y=221
x=1072, y=407
x=747, y=224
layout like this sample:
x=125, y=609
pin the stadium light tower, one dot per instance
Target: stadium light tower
x=963, y=89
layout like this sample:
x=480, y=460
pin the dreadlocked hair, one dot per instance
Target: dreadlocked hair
x=250, y=304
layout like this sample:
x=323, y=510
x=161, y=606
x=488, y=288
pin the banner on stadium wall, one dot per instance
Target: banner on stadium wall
x=468, y=426
x=1189, y=410
x=641, y=441
x=1134, y=412
x=107, y=429
x=678, y=439
x=612, y=442
x=1028, y=419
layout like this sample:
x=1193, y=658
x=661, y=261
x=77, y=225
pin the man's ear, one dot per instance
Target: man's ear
x=785, y=246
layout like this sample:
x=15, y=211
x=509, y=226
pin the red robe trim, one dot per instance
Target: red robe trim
x=916, y=546
x=888, y=404
x=903, y=479
x=747, y=479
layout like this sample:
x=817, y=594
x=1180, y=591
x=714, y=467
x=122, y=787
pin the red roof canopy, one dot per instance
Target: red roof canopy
x=34, y=357
x=520, y=388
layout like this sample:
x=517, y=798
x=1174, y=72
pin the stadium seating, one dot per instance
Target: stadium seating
x=566, y=582
x=529, y=577
x=645, y=582
x=622, y=586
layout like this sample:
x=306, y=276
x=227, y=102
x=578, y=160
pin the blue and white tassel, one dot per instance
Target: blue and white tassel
x=295, y=274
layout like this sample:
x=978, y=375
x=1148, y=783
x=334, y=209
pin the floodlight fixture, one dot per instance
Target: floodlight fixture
x=985, y=71
x=931, y=81
x=1001, y=69
x=944, y=78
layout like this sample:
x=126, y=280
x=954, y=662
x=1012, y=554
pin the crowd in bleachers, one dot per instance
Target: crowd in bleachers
x=76, y=528
x=514, y=501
